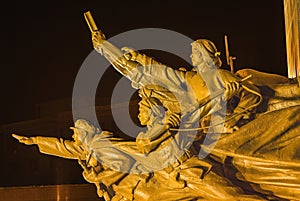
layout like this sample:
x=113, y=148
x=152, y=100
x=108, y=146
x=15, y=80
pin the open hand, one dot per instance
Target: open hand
x=25, y=140
x=130, y=53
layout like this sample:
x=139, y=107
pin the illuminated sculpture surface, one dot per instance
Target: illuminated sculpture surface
x=251, y=153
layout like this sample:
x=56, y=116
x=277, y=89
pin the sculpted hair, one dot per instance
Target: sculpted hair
x=209, y=52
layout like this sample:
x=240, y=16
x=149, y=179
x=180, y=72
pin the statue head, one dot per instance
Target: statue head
x=82, y=129
x=205, y=54
x=149, y=109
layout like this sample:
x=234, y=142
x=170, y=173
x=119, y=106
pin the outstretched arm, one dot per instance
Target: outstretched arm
x=142, y=59
x=139, y=68
x=112, y=54
x=53, y=146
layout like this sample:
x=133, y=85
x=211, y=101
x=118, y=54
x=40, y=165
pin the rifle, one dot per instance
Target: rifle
x=229, y=58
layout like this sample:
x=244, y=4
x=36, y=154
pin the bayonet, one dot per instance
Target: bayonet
x=229, y=58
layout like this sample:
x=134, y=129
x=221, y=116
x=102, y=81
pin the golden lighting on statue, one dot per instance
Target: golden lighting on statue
x=207, y=132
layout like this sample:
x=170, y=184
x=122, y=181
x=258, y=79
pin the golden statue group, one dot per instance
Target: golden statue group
x=211, y=134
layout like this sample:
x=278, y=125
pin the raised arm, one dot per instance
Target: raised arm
x=135, y=65
x=112, y=54
x=109, y=51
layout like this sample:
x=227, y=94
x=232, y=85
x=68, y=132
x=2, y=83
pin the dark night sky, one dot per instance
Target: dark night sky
x=50, y=40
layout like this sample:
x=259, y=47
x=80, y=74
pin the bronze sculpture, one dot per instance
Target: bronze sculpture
x=269, y=166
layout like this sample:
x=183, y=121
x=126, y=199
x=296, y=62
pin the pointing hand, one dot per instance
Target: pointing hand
x=25, y=140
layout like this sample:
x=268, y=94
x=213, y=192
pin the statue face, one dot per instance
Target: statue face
x=75, y=135
x=143, y=113
x=196, y=56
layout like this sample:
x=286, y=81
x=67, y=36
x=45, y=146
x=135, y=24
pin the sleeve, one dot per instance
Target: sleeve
x=154, y=72
x=116, y=58
x=59, y=147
